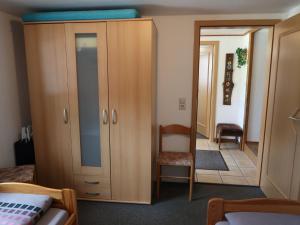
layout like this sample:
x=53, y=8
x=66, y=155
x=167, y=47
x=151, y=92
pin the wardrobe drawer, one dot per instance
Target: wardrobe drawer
x=92, y=187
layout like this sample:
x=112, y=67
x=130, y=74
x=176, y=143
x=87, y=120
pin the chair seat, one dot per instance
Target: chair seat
x=229, y=129
x=175, y=158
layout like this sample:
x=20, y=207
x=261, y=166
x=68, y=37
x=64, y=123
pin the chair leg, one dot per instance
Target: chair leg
x=241, y=142
x=158, y=181
x=219, y=141
x=191, y=181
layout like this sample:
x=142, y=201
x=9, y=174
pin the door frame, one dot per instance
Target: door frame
x=224, y=23
x=212, y=105
x=249, y=84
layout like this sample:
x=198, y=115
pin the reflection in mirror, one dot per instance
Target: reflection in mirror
x=88, y=99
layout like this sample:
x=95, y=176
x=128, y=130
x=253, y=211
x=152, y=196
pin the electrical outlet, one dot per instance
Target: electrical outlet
x=182, y=104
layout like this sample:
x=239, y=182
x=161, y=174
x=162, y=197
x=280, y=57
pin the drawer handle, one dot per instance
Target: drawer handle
x=91, y=182
x=92, y=193
x=294, y=116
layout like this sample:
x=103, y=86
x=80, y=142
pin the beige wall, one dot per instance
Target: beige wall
x=175, y=70
x=175, y=64
x=14, y=106
x=175, y=55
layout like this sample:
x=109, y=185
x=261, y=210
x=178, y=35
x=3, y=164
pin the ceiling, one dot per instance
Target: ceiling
x=225, y=31
x=155, y=7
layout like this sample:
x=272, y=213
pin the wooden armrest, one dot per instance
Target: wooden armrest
x=217, y=207
x=72, y=220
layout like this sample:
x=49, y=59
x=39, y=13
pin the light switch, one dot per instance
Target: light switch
x=182, y=104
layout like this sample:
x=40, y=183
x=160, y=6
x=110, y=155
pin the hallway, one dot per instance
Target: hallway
x=242, y=171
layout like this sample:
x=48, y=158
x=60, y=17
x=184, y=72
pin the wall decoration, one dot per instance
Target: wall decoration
x=228, y=84
x=242, y=56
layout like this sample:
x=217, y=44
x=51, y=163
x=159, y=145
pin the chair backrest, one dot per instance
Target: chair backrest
x=173, y=129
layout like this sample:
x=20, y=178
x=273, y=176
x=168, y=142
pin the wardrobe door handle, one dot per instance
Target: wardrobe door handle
x=105, y=116
x=65, y=115
x=294, y=116
x=114, y=116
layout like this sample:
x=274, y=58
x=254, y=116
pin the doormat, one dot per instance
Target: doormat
x=210, y=160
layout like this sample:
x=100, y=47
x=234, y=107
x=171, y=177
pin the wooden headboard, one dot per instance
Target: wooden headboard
x=62, y=198
x=217, y=207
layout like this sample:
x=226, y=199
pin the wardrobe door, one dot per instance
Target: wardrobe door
x=48, y=89
x=130, y=102
x=88, y=96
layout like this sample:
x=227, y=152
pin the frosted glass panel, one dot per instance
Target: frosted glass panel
x=88, y=99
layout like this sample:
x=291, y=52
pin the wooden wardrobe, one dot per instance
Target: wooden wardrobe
x=92, y=91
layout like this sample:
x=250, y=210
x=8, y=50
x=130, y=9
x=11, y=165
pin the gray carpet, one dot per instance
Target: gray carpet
x=173, y=208
x=210, y=160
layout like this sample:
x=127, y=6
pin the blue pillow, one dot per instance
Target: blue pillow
x=260, y=218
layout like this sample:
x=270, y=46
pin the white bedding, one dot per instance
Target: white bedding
x=22, y=209
x=54, y=216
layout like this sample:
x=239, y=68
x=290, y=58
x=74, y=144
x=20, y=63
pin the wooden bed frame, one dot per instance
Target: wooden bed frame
x=217, y=207
x=62, y=198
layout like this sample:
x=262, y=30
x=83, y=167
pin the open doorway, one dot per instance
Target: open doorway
x=233, y=75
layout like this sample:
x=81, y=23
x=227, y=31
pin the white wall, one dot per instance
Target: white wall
x=257, y=83
x=233, y=113
x=293, y=11
x=14, y=106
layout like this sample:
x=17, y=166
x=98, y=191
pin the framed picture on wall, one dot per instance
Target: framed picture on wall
x=228, y=83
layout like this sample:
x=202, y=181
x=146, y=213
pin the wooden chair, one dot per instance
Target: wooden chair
x=169, y=158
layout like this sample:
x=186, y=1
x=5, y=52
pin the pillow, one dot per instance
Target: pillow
x=261, y=218
x=222, y=223
x=22, y=209
x=54, y=217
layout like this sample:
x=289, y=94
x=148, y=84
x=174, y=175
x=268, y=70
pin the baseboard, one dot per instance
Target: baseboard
x=269, y=189
x=225, y=140
x=250, y=154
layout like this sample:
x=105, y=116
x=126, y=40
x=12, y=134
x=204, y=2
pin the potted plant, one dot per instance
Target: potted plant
x=242, y=56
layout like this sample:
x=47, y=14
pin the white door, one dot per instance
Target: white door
x=204, y=90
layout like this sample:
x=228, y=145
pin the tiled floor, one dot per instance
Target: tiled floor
x=241, y=169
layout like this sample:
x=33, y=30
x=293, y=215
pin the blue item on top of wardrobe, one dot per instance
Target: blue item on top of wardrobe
x=81, y=15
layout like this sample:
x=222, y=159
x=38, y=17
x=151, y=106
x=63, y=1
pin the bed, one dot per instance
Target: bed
x=61, y=210
x=276, y=209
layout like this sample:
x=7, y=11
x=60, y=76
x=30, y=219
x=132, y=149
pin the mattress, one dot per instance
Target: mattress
x=222, y=223
x=54, y=216
x=262, y=218
x=81, y=15
x=16, y=208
